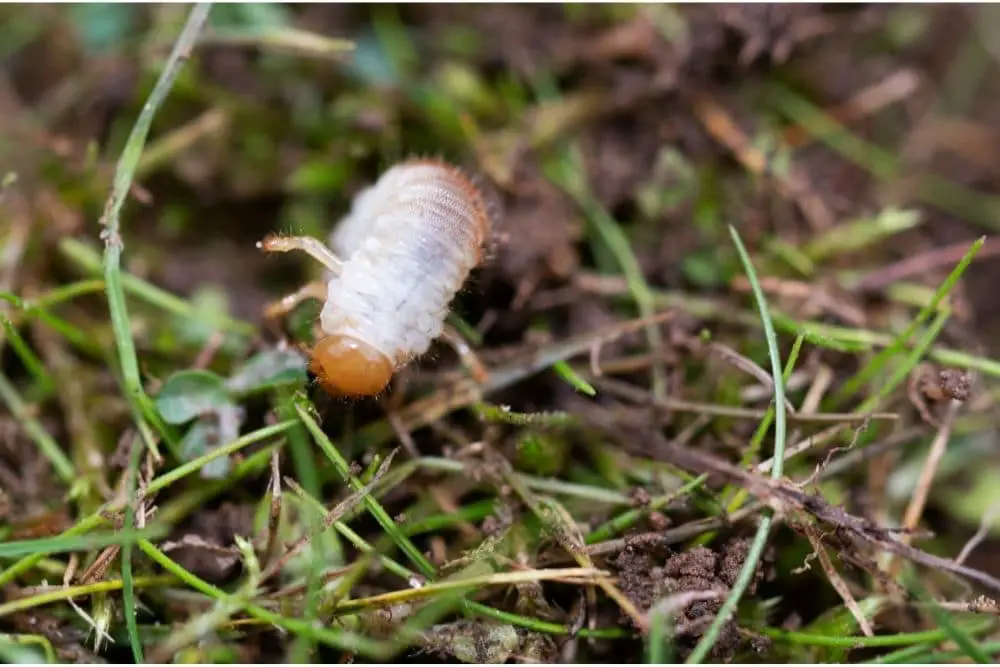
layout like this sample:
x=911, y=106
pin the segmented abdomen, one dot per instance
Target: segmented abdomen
x=409, y=244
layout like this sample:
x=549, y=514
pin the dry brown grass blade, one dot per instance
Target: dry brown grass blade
x=274, y=511
x=816, y=297
x=720, y=124
x=837, y=581
x=572, y=575
x=868, y=101
x=989, y=517
x=918, y=501
x=570, y=538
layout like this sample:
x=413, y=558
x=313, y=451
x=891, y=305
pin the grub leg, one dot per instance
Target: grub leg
x=307, y=244
x=312, y=290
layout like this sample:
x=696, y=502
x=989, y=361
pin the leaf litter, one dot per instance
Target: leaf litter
x=564, y=507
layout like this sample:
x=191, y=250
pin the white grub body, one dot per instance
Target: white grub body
x=408, y=246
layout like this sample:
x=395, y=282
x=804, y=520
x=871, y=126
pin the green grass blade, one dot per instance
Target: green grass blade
x=659, y=650
x=565, y=171
x=34, y=365
x=128, y=586
x=376, y=510
x=189, y=467
x=900, y=374
x=932, y=637
x=955, y=632
x=758, y=437
x=142, y=406
x=35, y=554
x=566, y=372
x=89, y=260
x=780, y=428
x=47, y=546
x=339, y=639
x=882, y=164
x=305, y=469
x=68, y=331
x=878, y=362
x=538, y=625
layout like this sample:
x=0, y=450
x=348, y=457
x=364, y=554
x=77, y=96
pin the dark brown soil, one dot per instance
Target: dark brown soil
x=672, y=123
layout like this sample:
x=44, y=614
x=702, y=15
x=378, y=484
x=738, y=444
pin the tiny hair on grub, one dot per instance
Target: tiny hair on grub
x=393, y=265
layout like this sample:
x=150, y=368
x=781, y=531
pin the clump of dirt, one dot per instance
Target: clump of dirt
x=692, y=584
x=488, y=643
x=528, y=252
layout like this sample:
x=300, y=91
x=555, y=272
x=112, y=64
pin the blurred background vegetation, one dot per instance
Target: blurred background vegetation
x=851, y=148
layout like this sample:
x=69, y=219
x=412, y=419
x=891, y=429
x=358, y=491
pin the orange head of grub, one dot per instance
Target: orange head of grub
x=346, y=366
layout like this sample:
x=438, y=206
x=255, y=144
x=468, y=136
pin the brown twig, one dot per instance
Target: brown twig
x=466, y=391
x=748, y=366
x=209, y=350
x=816, y=298
x=923, y=262
x=784, y=498
x=409, y=446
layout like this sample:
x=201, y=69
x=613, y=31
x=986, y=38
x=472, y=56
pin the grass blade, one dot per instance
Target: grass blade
x=128, y=584
x=142, y=406
x=61, y=464
x=47, y=546
x=878, y=362
x=374, y=507
x=566, y=175
x=780, y=426
x=343, y=640
x=955, y=632
x=924, y=637
x=302, y=459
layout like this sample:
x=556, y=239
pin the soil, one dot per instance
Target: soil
x=661, y=114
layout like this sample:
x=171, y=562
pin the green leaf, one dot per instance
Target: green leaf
x=840, y=622
x=189, y=394
x=268, y=369
x=199, y=440
x=214, y=430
